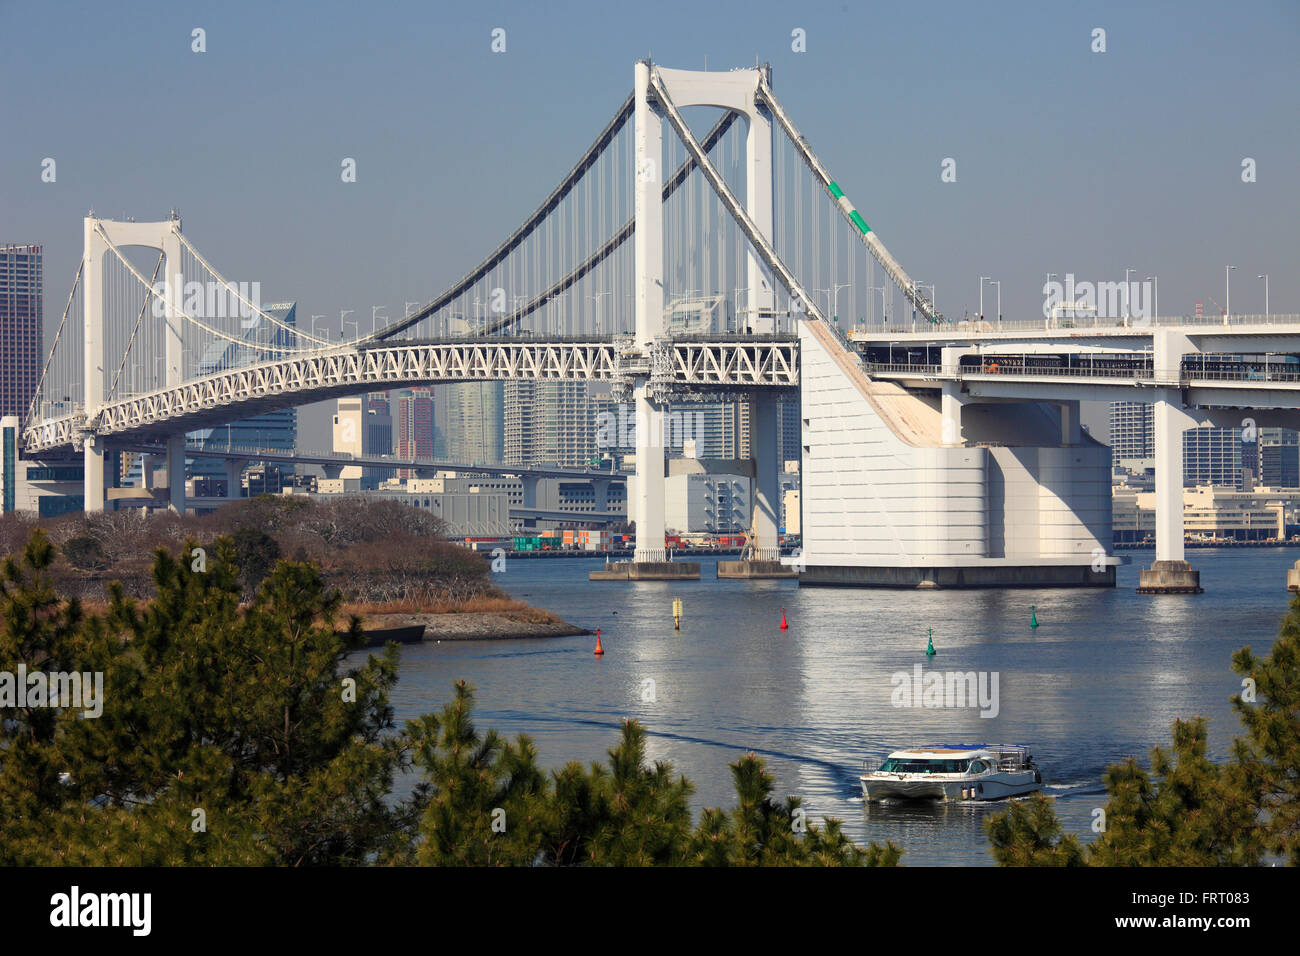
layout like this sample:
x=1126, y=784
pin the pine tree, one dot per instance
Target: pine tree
x=229, y=735
x=1268, y=756
x=38, y=632
x=484, y=800
x=762, y=832
x=642, y=814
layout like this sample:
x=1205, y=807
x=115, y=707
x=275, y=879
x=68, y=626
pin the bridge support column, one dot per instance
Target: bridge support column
x=758, y=204
x=1169, y=572
x=765, y=502
x=530, y=490
x=650, y=560
x=176, y=474
x=600, y=491
x=1071, y=431
x=649, y=508
x=93, y=483
x=234, y=471
x=951, y=402
x=762, y=559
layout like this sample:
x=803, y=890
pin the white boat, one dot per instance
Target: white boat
x=957, y=772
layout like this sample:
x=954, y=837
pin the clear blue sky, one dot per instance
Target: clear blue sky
x=1067, y=160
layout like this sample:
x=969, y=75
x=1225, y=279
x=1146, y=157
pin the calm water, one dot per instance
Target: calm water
x=1101, y=678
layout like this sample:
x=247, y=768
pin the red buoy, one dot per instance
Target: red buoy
x=784, y=625
x=599, y=650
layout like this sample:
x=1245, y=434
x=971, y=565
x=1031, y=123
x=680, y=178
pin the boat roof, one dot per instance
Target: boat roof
x=950, y=750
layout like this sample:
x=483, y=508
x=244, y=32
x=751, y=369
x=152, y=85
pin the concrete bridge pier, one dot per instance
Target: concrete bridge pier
x=1170, y=573
x=93, y=482
x=763, y=556
x=176, y=474
x=530, y=490
x=234, y=471
x=600, y=490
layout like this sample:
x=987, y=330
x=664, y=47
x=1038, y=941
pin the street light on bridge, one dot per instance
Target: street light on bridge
x=1227, y=292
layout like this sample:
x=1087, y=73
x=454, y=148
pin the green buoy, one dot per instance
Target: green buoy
x=1033, y=616
x=929, y=649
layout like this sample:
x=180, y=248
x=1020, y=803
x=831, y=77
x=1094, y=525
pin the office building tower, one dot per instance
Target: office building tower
x=413, y=423
x=363, y=427
x=1132, y=435
x=21, y=284
x=1212, y=456
x=549, y=422
x=1279, y=466
x=470, y=418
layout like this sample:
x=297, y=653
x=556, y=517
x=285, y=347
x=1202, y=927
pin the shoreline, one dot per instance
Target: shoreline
x=468, y=626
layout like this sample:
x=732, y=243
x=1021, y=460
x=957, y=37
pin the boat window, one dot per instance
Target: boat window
x=922, y=765
x=978, y=766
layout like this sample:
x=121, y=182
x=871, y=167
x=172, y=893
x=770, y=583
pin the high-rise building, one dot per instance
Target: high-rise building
x=1212, y=456
x=549, y=422
x=1132, y=435
x=21, y=316
x=413, y=423
x=362, y=426
x=1279, y=465
x=789, y=430
x=273, y=431
x=470, y=419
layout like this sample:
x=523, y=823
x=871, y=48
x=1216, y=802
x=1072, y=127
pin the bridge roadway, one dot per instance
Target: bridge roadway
x=1207, y=362
x=678, y=368
x=339, y=460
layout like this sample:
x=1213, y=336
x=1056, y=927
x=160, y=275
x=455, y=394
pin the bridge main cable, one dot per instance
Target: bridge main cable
x=623, y=235
x=517, y=237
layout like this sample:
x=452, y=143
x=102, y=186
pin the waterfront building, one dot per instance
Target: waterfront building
x=1210, y=514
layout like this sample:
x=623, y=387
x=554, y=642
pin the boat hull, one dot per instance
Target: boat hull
x=997, y=786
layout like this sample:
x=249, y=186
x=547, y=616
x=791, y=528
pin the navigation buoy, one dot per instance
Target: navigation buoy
x=929, y=647
x=599, y=650
x=1033, y=616
x=677, y=614
x=784, y=626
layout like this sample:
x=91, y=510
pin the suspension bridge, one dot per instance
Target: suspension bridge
x=710, y=263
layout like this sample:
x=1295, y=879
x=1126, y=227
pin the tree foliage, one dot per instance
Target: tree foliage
x=239, y=732
x=1188, y=810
